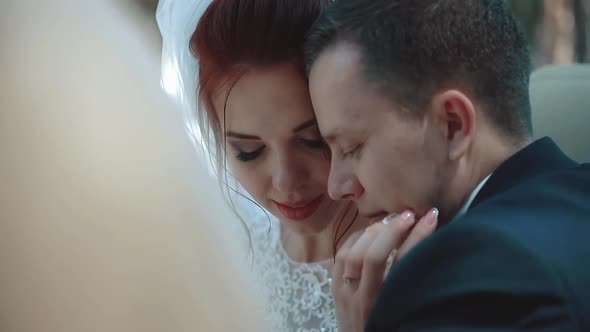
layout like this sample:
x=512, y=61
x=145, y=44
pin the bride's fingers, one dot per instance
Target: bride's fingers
x=423, y=229
x=354, y=260
x=375, y=260
x=341, y=258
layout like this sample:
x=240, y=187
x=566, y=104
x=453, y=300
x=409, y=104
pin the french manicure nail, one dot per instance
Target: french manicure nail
x=435, y=212
x=389, y=218
x=434, y=218
x=407, y=216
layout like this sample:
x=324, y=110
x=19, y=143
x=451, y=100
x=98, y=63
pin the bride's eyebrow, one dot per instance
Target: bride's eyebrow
x=232, y=134
x=305, y=125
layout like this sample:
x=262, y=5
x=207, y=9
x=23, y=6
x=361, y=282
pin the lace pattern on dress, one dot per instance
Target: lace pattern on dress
x=298, y=296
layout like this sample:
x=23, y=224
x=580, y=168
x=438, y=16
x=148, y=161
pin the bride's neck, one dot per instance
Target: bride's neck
x=320, y=246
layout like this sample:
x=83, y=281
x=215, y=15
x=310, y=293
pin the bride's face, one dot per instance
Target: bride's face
x=274, y=149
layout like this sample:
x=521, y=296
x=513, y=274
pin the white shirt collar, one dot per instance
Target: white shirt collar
x=471, y=197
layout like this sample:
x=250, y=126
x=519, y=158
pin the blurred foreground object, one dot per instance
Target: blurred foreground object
x=560, y=97
x=108, y=221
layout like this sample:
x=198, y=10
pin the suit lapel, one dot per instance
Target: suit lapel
x=539, y=157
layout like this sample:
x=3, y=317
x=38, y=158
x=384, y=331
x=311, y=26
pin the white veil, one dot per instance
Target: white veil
x=177, y=20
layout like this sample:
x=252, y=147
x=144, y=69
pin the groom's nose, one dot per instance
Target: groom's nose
x=343, y=184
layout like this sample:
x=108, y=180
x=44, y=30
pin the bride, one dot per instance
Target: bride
x=236, y=67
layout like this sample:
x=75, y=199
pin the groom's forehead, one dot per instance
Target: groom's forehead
x=339, y=90
x=333, y=81
x=337, y=64
x=337, y=122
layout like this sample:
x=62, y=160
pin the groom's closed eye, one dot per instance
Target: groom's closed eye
x=313, y=143
x=352, y=152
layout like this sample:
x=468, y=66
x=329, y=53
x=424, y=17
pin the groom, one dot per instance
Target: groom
x=424, y=103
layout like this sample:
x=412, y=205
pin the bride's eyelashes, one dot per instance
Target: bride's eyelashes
x=246, y=156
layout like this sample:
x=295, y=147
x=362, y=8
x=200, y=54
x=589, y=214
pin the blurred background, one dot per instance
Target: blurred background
x=558, y=30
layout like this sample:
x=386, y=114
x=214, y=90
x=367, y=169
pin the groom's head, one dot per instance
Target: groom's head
x=418, y=99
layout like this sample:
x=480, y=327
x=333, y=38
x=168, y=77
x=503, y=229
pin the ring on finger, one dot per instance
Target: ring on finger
x=392, y=255
x=348, y=281
x=390, y=258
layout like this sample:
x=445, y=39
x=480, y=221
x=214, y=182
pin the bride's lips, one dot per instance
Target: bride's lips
x=299, y=210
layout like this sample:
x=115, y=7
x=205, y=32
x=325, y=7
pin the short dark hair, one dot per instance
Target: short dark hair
x=411, y=48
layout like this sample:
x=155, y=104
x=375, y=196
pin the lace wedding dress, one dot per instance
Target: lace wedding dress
x=297, y=295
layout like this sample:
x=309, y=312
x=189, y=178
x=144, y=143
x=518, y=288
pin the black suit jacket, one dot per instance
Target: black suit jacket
x=519, y=258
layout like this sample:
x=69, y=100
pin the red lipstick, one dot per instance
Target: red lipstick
x=299, y=210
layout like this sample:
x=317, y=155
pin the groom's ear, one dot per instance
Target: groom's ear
x=455, y=115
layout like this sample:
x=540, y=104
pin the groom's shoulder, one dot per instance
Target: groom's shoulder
x=550, y=187
x=548, y=215
x=474, y=267
x=546, y=221
x=552, y=204
x=525, y=248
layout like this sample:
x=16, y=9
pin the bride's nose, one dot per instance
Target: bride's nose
x=289, y=174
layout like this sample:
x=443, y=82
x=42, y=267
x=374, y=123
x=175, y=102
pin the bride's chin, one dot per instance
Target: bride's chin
x=319, y=222
x=302, y=230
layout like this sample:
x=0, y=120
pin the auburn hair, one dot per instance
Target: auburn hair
x=234, y=36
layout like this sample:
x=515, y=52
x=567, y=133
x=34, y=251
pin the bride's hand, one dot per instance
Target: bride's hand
x=362, y=260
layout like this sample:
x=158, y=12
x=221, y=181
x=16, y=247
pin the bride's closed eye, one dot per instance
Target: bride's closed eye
x=246, y=155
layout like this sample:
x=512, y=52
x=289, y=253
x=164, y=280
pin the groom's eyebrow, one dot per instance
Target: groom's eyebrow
x=304, y=125
x=332, y=135
x=330, y=138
